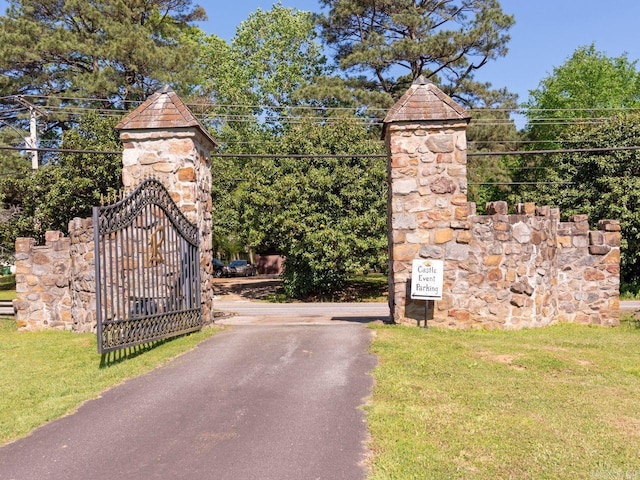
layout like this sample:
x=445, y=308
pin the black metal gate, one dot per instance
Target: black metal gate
x=147, y=269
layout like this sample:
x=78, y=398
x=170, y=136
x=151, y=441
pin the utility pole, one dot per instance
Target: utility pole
x=32, y=140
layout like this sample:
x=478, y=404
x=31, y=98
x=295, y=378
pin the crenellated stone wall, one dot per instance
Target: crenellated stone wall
x=42, y=283
x=501, y=270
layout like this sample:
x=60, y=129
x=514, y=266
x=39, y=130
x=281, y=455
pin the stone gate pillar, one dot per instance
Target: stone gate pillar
x=163, y=140
x=425, y=133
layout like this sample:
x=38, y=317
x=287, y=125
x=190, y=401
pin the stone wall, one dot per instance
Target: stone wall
x=501, y=270
x=42, y=283
x=82, y=275
x=528, y=269
x=55, y=282
x=162, y=139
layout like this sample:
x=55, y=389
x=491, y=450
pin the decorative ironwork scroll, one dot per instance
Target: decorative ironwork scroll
x=147, y=269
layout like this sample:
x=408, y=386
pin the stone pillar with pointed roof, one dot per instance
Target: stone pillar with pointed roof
x=162, y=139
x=425, y=133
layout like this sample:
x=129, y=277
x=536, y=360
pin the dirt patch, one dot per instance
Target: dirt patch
x=246, y=288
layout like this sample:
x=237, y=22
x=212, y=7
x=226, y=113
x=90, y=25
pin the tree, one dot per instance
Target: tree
x=587, y=87
x=110, y=51
x=326, y=215
x=48, y=198
x=258, y=74
x=604, y=185
x=446, y=41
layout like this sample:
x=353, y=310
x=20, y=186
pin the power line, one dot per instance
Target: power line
x=302, y=156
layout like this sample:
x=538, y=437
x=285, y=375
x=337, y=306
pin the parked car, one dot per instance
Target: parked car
x=239, y=268
x=218, y=268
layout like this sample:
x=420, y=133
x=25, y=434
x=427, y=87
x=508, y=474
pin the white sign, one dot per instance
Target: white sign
x=427, y=279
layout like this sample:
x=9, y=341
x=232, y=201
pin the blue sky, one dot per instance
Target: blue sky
x=546, y=33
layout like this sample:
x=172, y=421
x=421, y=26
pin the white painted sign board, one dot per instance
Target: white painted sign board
x=427, y=279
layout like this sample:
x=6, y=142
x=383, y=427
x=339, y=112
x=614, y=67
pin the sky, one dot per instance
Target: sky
x=545, y=34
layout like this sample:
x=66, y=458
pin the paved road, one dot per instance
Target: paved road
x=252, y=402
x=246, y=312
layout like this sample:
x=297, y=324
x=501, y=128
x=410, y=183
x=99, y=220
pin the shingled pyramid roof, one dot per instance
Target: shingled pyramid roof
x=425, y=101
x=162, y=110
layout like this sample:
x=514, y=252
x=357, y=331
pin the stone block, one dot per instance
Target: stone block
x=457, y=251
x=580, y=241
x=494, y=275
x=404, y=186
x=444, y=158
x=493, y=260
x=518, y=301
x=599, y=249
x=52, y=236
x=404, y=221
x=460, y=213
x=180, y=147
x=420, y=237
x=441, y=143
x=596, y=238
x=431, y=251
x=497, y=208
x=149, y=158
x=442, y=185
x=564, y=241
x=612, y=239
x=187, y=174
x=24, y=245
x=399, y=161
x=609, y=225
x=613, y=258
x=521, y=233
x=463, y=236
x=164, y=167
x=443, y=236
x=543, y=211
x=405, y=252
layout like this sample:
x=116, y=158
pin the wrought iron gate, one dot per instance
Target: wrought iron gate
x=147, y=267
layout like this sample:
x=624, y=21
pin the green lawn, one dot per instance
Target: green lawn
x=44, y=375
x=556, y=403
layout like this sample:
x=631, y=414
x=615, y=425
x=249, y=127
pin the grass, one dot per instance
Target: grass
x=7, y=287
x=554, y=403
x=45, y=375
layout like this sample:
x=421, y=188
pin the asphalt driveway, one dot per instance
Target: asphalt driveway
x=253, y=402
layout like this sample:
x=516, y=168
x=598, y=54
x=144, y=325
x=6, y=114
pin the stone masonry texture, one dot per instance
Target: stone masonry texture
x=55, y=282
x=509, y=271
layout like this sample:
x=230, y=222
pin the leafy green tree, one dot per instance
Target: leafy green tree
x=587, y=87
x=256, y=76
x=604, y=185
x=326, y=215
x=446, y=41
x=48, y=198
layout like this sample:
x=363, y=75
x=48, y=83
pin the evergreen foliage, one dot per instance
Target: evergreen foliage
x=446, y=41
